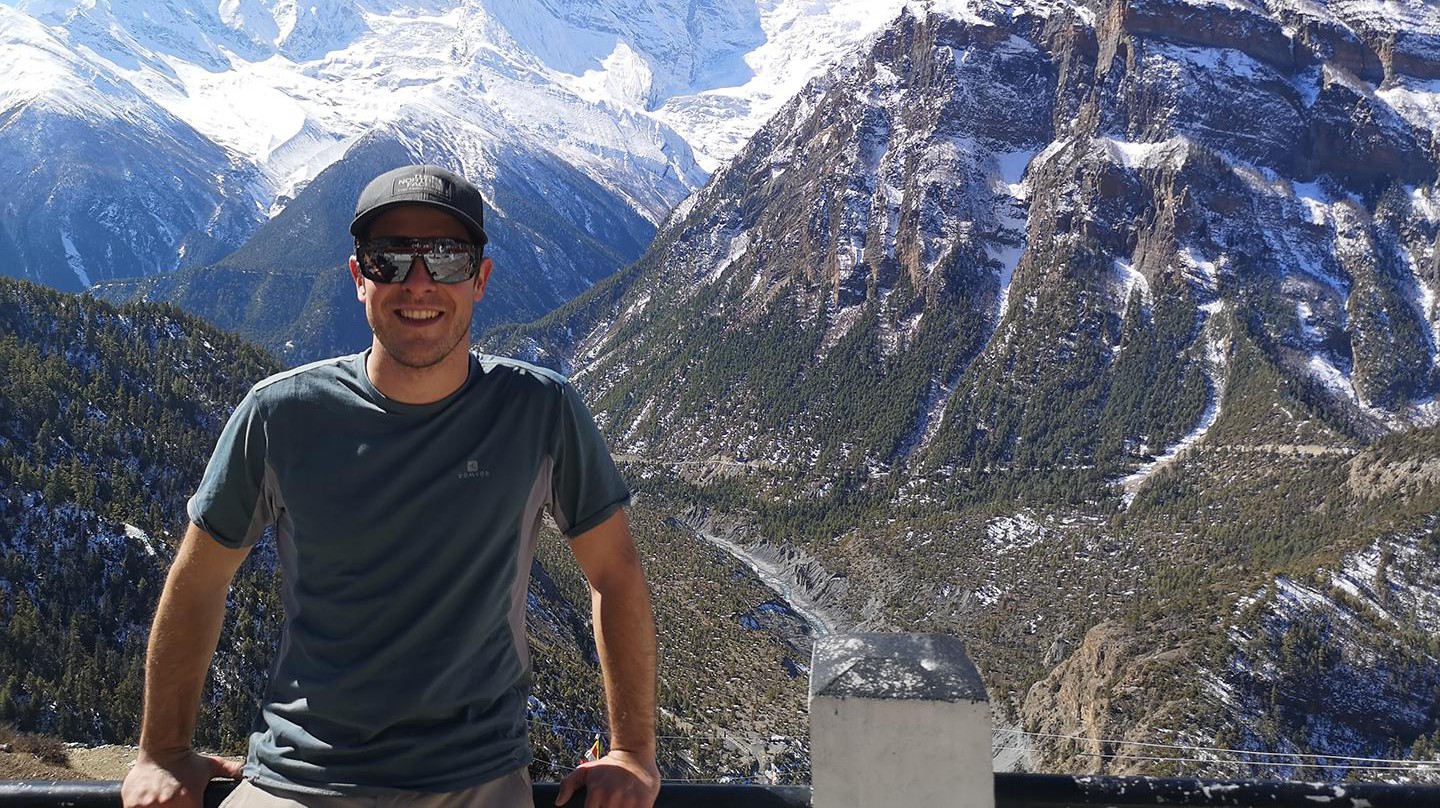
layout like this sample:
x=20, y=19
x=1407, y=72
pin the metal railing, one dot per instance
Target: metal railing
x=1011, y=791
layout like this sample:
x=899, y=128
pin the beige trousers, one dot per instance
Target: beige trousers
x=509, y=791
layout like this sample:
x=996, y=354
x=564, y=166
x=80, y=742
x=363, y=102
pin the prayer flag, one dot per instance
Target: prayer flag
x=595, y=752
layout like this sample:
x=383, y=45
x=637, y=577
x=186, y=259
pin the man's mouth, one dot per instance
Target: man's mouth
x=418, y=314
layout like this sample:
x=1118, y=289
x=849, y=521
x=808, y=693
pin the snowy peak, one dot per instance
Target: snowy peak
x=641, y=99
x=663, y=49
x=306, y=31
x=800, y=41
x=713, y=71
x=129, y=32
x=203, y=34
x=134, y=191
x=38, y=64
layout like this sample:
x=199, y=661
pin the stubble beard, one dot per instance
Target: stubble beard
x=418, y=357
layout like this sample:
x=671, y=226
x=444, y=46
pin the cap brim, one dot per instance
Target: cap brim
x=362, y=222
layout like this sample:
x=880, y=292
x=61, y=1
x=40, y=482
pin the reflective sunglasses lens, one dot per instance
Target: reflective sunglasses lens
x=450, y=267
x=389, y=260
x=382, y=267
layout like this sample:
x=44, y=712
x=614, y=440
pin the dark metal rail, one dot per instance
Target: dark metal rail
x=1011, y=791
x=1074, y=791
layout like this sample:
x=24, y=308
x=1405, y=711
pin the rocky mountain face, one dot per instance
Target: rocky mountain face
x=1161, y=275
x=971, y=181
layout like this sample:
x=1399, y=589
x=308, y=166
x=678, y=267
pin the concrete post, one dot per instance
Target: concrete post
x=898, y=719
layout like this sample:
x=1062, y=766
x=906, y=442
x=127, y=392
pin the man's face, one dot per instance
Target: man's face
x=419, y=322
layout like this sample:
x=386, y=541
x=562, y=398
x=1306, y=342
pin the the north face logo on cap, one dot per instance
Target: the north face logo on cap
x=422, y=183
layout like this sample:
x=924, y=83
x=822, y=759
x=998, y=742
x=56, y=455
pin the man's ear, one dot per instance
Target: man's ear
x=359, y=282
x=481, y=277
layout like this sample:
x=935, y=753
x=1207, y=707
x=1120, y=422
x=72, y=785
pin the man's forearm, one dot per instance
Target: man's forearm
x=625, y=639
x=182, y=642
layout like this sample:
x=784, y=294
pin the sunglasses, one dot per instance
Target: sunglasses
x=388, y=260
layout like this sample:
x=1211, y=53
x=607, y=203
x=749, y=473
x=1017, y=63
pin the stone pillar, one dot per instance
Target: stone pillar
x=898, y=720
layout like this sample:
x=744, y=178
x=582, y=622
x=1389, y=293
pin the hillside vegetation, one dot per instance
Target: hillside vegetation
x=107, y=417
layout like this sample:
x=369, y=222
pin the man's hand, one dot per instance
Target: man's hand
x=619, y=780
x=178, y=783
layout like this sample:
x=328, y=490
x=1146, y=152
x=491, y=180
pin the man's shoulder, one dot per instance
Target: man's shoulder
x=287, y=382
x=503, y=367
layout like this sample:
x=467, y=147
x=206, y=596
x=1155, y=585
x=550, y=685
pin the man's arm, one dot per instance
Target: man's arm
x=167, y=771
x=627, y=776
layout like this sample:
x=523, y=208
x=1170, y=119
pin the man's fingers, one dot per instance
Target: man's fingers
x=595, y=797
x=568, y=786
x=617, y=785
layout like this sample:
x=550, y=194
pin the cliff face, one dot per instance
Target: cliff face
x=1089, y=703
x=1041, y=229
x=1159, y=271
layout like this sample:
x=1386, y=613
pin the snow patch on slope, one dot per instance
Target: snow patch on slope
x=1009, y=258
x=1012, y=167
x=1166, y=153
x=1009, y=534
x=141, y=536
x=1129, y=280
x=1415, y=101
x=73, y=259
x=1202, y=271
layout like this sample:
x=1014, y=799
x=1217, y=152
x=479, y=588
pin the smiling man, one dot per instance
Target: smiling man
x=405, y=486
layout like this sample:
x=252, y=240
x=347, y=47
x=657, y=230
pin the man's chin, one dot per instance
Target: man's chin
x=415, y=364
x=418, y=357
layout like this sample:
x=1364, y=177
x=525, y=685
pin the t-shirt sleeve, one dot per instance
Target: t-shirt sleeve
x=233, y=502
x=586, y=488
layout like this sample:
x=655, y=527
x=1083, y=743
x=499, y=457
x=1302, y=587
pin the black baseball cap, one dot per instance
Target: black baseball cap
x=422, y=185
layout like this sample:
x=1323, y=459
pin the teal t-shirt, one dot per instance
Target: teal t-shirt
x=405, y=535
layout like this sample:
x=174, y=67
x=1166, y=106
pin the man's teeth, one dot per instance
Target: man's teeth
x=428, y=314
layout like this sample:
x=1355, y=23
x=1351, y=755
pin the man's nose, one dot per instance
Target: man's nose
x=419, y=275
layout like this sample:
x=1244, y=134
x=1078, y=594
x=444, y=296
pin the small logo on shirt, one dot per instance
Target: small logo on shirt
x=472, y=471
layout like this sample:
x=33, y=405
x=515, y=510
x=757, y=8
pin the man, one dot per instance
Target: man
x=405, y=486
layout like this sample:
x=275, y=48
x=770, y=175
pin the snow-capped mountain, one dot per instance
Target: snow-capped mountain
x=101, y=180
x=641, y=99
x=553, y=232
